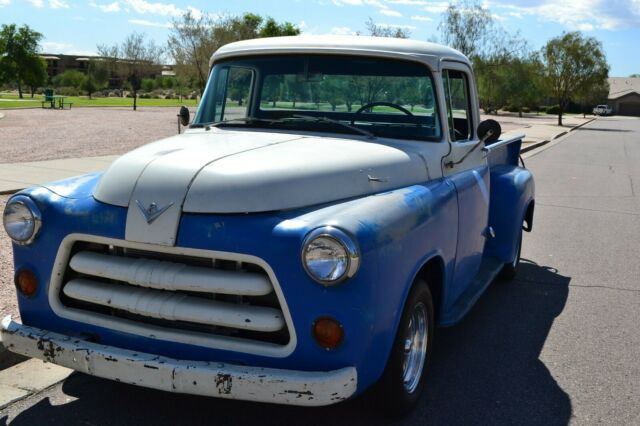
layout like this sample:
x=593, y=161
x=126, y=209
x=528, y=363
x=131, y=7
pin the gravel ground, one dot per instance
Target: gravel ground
x=8, y=302
x=43, y=134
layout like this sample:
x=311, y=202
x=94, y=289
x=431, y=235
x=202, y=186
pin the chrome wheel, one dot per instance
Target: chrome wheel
x=415, y=348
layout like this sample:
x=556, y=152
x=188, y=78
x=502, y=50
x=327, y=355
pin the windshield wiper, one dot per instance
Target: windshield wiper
x=323, y=119
x=247, y=120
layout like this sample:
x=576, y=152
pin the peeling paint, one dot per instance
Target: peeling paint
x=224, y=382
x=191, y=377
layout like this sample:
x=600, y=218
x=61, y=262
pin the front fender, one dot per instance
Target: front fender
x=397, y=231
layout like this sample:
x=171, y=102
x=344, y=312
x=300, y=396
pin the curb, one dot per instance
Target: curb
x=540, y=144
x=534, y=146
x=583, y=124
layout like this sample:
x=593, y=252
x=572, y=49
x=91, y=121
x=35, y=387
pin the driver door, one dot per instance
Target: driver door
x=467, y=169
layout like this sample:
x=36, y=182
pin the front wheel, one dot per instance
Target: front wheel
x=404, y=377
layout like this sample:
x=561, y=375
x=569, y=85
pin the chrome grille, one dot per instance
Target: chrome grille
x=211, y=296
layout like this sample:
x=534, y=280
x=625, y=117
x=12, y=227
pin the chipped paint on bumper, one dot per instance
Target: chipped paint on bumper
x=192, y=377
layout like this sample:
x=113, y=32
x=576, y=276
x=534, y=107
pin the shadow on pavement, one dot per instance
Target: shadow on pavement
x=484, y=370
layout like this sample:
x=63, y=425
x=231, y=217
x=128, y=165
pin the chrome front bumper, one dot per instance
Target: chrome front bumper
x=192, y=377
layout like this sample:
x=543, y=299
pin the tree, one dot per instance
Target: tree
x=593, y=96
x=35, y=74
x=377, y=30
x=193, y=40
x=634, y=76
x=134, y=58
x=191, y=44
x=467, y=27
x=573, y=64
x=521, y=84
x=18, y=53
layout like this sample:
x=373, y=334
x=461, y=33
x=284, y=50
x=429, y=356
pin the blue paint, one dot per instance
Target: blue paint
x=473, y=215
x=512, y=189
x=397, y=232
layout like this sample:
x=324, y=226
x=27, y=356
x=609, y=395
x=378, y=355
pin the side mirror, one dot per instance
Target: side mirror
x=489, y=131
x=184, y=115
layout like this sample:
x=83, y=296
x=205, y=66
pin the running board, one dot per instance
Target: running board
x=489, y=269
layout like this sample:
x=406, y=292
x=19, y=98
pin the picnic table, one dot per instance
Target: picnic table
x=55, y=101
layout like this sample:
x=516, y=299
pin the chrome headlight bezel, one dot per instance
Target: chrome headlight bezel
x=343, y=239
x=30, y=206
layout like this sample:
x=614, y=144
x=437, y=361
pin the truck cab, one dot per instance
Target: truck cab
x=333, y=201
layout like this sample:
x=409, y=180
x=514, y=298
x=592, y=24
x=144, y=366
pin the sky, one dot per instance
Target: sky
x=77, y=27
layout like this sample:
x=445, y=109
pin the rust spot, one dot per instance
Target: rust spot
x=48, y=349
x=224, y=383
x=299, y=394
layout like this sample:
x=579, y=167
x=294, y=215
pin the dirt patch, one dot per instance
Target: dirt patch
x=43, y=134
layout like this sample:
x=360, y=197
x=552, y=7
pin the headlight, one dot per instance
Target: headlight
x=330, y=256
x=21, y=219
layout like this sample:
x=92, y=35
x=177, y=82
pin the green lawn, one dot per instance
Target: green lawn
x=10, y=101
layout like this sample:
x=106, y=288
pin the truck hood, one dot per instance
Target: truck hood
x=233, y=171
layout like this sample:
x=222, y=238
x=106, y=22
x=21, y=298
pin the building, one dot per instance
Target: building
x=624, y=95
x=57, y=64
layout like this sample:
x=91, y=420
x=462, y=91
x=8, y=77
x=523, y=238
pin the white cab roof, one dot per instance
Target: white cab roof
x=421, y=51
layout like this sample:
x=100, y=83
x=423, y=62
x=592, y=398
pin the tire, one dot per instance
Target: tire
x=509, y=270
x=399, y=389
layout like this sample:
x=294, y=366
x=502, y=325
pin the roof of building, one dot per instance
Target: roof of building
x=622, y=86
x=375, y=46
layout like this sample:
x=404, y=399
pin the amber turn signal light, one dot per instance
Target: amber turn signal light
x=328, y=332
x=27, y=282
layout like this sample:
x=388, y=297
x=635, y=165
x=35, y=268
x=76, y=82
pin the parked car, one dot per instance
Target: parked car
x=602, y=110
x=333, y=201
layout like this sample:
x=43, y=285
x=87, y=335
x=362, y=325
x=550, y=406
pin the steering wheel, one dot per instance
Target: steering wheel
x=375, y=104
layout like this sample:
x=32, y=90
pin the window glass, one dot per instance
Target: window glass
x=388, y=98
x=230, y=97
x=457, y=98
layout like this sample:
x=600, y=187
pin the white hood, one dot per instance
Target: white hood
x=231, y=171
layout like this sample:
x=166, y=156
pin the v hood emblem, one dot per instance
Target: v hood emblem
x=152, y=212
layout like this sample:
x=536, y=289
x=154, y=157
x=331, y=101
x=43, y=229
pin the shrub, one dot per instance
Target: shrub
x=67, y=91
x=148, y=84
x=526, y=109
x=554, y=110
x=70, y=78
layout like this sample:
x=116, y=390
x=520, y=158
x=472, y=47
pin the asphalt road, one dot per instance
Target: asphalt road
x=560, y=344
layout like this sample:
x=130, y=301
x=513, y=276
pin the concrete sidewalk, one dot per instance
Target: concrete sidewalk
x=17, y=176
x=539, y=130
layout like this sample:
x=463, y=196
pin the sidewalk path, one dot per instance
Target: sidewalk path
x=16, y=176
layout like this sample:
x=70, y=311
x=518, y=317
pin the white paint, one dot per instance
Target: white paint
x=163, y=275
x=179, y=336
x=428, y=53
x=304, y=172
x=305, y=388
x=175, y=306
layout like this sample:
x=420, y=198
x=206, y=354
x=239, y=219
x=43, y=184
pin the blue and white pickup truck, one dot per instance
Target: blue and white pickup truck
x=333, y=200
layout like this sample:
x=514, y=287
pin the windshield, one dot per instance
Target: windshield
x=344, y=94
